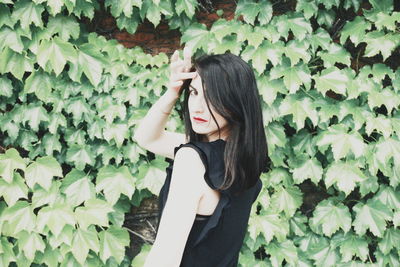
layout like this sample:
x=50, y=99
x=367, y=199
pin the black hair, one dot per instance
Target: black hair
x=231, y=88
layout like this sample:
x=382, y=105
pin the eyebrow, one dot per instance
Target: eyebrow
x=193, y=87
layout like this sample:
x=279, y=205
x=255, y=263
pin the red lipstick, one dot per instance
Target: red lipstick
x=198, y=119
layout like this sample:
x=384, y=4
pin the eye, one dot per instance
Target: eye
x=191, y=90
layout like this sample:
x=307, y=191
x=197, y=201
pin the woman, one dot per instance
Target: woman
x=213, y=176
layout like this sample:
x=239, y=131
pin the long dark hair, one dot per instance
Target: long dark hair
x=230, y=86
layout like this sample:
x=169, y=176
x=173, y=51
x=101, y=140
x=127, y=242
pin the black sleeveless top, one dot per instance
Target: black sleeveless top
x=214, y=240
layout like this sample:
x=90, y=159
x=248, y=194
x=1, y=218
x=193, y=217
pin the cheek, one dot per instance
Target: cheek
x=221, y=120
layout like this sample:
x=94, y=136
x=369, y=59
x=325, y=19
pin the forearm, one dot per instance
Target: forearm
x=153, y=124
x=158, y=258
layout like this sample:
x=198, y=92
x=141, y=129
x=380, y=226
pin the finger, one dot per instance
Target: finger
x=187, y=57
x=177, y=83
x=175, y=56
x=187, y=53
x=176, y=64
x=185, y=75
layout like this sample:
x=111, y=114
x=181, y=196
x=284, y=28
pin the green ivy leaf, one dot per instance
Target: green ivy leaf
x=303, y=141
x=379, y=123
x=390, y=240
x=324, y=253
x=140, y=258
x=300, y=109
x=15, y=63
x=298, y=224
x=64, y=238
x=391, y=259
x=65, y=27
x=129, y=24
x=388, y=197
x=30, y=243
x=112, y=244
x=42, y=172
x=35, y=114
x=331, y=79
x=80, y=155
x=42, y=197
x=114, y=182
x=39, y=83
x=13, y=191
x=79, y=109
x=27, y=12
x=382, y=6
x=342, y=142
x=5, y=18
x=287, y=199
x=386, y=97
x=263, y=53
x=7, y=254
x=373, y=216
x=310, y=168
x=83, y=241
x=10, y=38
x=379, y=42
x=331, y=217
x=197, y=36
x=296, y=50
x=187, y=6
x=17, y=218
x=293, y=77
x=396, y=219
x=355, y=30
x=55, y=218
x=387, y=149
x=223, y=28
x=77, y=187
x=231, y=44
x=57, y=52
x=117, y=132
x=353, y=245
x=285, y=250
x=94, y=212
x=6, y=88
x=90, y=62
x=334, y=54
x=297, y=24
x=9, y=162
x=320, y=38
x=307, y=7
x=152, y=175
x=345, y=175
x=125, y=7
x=270, y=224
x=369, y=185
x=276, y=135
x=388, y=21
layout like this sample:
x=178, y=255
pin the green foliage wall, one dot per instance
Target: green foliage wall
x=328, y=75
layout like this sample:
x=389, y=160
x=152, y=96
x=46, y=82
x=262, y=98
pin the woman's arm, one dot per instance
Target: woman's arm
x=152, y=125
x=150, y=133
x=186, y=189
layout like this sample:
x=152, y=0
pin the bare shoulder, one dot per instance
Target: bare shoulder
x=189, y=168
x=188, y=157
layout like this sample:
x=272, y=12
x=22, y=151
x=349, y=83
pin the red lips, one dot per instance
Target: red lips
x=199, y=119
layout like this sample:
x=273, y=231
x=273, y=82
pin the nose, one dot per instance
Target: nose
x=198, y=104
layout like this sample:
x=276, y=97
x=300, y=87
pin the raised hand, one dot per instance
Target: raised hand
x=179, y=71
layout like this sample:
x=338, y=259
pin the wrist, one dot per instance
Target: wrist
x=171, y=95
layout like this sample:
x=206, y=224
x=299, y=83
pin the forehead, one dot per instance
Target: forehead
x=196, y=83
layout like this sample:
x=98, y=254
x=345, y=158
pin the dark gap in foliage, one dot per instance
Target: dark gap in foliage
x=312, y=195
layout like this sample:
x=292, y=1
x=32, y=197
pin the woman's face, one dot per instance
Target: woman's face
x=198, y=109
